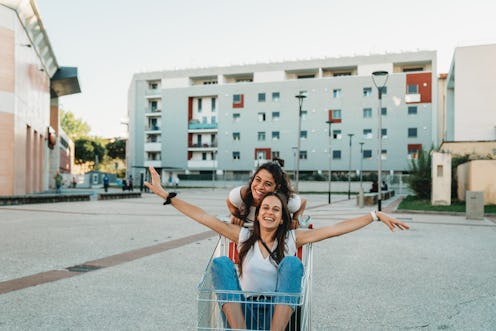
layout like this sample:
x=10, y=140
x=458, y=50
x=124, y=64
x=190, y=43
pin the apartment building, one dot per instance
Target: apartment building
x=31, y=81
x=470, y=111
x=229, y=119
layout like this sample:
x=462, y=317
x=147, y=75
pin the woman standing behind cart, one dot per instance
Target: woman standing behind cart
x=269, y=177
x=259, y=253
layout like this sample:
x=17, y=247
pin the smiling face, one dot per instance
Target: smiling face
x=263, y=183
x=270, y=213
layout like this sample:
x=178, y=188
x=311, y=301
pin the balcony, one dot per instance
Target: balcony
x=153, y=112
x=153, y=147
x=410, y=98
x=202, y=164
x=153, y=163
x=153, y=93
x=202, y=147
x=153, y=128
x=193, y=125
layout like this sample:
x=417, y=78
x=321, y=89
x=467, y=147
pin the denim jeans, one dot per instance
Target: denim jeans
x=258, y=314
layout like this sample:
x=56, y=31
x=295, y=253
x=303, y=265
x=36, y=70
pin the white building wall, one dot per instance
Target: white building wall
x=474, y=106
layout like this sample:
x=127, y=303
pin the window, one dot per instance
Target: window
x=261, y=117
x=204, y=120
x=213, y=119
x=412, y=110
x=384, y=154
x=275, y=135
x=412, y=89
x=336, y=93
x=384, y=90
x=304, y=114
x=275, y=115
x=367, y=133
x=275, y=96
x=336, y=134
x=236, y=136
x=236, y=117
x=384, y=133
x=367, y=91
x=275, y=154
x=413, y=150
x=153, y=105
x=336, y=155
x=204, y=156
x=261, y=136
x=199, y=105
x=336, y=114
x=153, y=86
x=261, y=97
x=236, y=155
x=214, y=105
x=303, y=155
x=367, y=154
x=367, y=112
x=238, y=101
x=412, y=132
x=384, y=111
x=303, y=134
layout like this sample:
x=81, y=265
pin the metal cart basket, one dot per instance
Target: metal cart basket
x=210, y=316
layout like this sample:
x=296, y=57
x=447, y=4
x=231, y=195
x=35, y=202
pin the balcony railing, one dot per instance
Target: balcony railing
x=152, y=128
x=202, y=126
x=152, y=92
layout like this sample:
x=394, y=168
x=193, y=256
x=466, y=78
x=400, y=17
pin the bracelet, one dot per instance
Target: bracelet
x=373, y=213
x=169, y=197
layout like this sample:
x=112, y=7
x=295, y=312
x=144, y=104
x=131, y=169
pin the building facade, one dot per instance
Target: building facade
x=230, y=119
x=31, y=81
x=470, y=110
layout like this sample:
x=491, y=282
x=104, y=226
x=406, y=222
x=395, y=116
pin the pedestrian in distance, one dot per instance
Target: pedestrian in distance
x=106, y=182
x=260, y=253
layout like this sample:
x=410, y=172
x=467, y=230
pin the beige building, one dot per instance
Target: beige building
x=31, y=81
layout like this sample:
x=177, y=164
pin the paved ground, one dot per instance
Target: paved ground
x=440, y=275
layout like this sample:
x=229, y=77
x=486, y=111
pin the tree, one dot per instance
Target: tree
x=74, y=127
x=87, y=149
x=116, y=149
x=420, y=179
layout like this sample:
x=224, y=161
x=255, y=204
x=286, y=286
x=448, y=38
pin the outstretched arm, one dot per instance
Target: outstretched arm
x=230, y=231
x=310, y=236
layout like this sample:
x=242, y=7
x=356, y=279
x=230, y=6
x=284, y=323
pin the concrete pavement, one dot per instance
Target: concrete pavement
x=440, y=275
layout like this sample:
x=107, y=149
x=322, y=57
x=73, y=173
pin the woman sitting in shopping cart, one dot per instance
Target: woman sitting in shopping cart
x=264, y=266
x=269, y=177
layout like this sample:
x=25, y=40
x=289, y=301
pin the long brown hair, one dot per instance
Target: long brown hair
x=283, y=185
x=280, y=234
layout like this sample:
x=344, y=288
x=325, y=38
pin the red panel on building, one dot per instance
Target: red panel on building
x=266, y=151
x=241, y=103
x=423, y=80
x=190, y=108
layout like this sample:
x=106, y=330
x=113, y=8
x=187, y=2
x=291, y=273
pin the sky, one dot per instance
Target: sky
x=110, y=40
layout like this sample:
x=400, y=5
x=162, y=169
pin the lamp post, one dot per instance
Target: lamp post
x=379, y=78
x=361, y=165
x=349, y=168
x=300, y=98
x=329, y=122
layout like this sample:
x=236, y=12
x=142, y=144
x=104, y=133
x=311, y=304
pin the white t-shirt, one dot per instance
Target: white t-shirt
x=259, y=273
x=294, y=203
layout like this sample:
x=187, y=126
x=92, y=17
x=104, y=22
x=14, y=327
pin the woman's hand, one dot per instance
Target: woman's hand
x=155, y=186
x=391, y=222
x=237, y=221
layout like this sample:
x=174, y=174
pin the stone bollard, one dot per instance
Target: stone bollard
x=360, y=198
x=474, y=207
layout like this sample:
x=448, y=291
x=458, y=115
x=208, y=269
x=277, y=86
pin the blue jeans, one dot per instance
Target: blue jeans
x=258, y=314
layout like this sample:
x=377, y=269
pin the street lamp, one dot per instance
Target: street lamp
x=379, y=78
x=329, y=122
x=300, y=98
x=361, y=166
x=349, y=168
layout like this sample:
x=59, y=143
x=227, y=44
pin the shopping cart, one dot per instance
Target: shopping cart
x=210, y=316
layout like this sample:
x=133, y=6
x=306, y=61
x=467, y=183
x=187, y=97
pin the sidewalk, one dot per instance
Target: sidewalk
x=440, y=275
